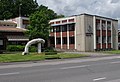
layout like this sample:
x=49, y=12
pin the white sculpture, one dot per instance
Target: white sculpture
x=38, y=40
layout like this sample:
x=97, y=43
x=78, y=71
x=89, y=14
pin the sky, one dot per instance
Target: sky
x=107, y=8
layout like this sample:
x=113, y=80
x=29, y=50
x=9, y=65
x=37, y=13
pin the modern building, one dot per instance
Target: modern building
x=84, y=32
x=12, y=32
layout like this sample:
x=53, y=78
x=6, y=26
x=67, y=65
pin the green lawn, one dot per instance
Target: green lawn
x=17, y=57
x=113, y=52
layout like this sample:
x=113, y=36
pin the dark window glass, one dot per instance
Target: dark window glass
x=57, y=28
x=52, y=40
x=58, y=41
x=71, y=27
x=109, y=39
x=103, y=39
x=64, y=28
x=71, y=40
x=97, y=39
x=64, y=40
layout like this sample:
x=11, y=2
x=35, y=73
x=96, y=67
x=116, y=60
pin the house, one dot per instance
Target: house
x=84, y=32
x=12, y=32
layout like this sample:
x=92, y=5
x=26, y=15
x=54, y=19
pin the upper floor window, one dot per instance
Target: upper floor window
x=108, y=25
x=64, y=28
x=97, y=24
x=71, y=27
x=57, y=28
x=103, y=24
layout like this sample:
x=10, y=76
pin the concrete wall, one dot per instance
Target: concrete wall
x=89, y=41
x=80, y=33
x=115, y=34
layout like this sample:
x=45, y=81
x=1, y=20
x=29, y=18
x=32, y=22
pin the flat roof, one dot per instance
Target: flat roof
x=85, y=14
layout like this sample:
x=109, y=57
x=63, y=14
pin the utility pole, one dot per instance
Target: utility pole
x=20, y=10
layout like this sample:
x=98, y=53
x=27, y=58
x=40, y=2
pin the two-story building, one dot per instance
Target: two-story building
x=84, y=32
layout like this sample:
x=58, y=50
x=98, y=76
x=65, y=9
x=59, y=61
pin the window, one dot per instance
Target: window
x=71, y=40
x=97, y=24
x=103, y=25
x=97, y=39
x=64, y=40
x=1, y=42
x=109, y=39
x=104, y=39
x=52, y=40
x=64, y=28
x=58, y=41
x=71, y=27
x=53, y=29
x=108, y=25
x=57, y=28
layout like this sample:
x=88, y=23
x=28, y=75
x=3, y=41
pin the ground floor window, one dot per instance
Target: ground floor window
x=64, y=40
x=58, y=41
x=71, y=40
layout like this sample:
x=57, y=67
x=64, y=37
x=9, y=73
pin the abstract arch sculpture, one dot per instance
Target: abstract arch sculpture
x=38, y=40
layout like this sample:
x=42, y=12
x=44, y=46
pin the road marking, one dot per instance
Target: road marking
x=75, y=67
x=10, y=73
x=115, y=62
x=98, y=79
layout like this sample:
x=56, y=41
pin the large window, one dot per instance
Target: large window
x=103, y=24
x=71, y=40
x=108, y=25
x=109, y=39
x=58, y=41
x=64, y=40
x=1, y=42
x=52, y=40
x=64, y=28
x=103, y=39
x=71, y=27
x=57, y=28
x=97, y=24
x=97, y=39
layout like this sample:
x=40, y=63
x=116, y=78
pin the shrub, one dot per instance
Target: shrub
x=33, y=49
x=20, y=48
x=49, y=49
x=15, y=48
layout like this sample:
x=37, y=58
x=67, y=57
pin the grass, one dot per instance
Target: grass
x=17, y=57
x=113, y=52
x=64, y=55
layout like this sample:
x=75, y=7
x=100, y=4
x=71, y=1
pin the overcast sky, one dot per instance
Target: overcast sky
x=107, y=8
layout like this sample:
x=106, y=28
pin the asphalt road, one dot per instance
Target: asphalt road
x=104, y=69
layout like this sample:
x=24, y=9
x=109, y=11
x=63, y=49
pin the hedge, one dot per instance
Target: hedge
x=20, y=48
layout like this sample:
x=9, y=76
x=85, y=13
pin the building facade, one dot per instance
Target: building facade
x=12, y=32
x=84, y=32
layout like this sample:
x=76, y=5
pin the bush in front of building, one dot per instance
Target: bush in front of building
x=13, y=48
x=49, y=49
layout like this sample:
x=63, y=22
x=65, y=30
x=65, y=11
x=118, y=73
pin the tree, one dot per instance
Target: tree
x=11, y=8
x=39, y=23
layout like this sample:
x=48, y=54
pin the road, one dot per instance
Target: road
x=103, y=69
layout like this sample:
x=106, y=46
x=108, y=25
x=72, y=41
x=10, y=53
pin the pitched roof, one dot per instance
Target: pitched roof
x=11, y=29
